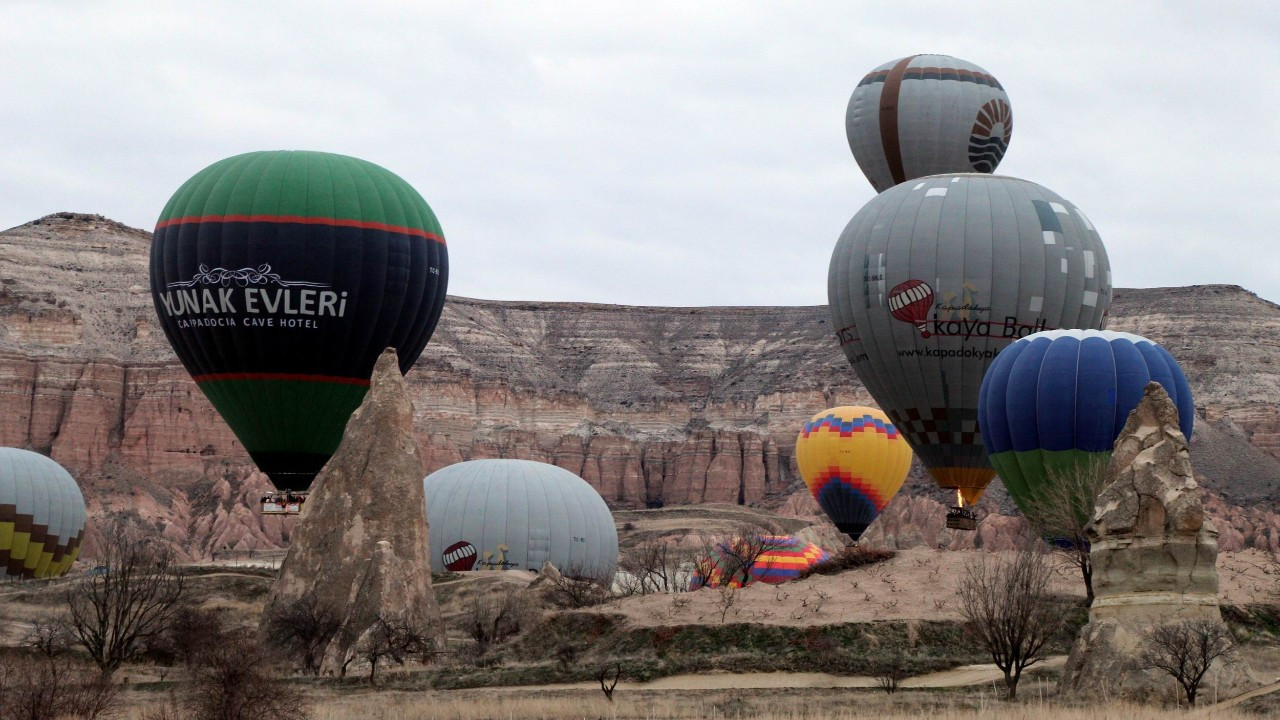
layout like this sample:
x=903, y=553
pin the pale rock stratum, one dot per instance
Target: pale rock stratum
x=650, y=405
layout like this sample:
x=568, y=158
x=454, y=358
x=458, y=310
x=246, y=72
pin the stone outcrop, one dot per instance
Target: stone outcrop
x=1154, y=554
x=651, y=405
x=360, y=547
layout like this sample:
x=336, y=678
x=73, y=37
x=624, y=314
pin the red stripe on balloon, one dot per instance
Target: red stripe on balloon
x=302, y=220
x=215, y=377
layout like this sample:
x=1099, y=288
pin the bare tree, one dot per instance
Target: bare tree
x=303, y=629
x=234, y=680
x=1007, y=607
x=608, y=676
x=51, y=688
x=50, y=637
x=572, y=588
x=735, y=558
x=114, y=613
x=1186, y=650
x=890, y=673
x=656, y=565
x=726, y=600
x=494, y=617
x=1061, y=509
x=394, y=639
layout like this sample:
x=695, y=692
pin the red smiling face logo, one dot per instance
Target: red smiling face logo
x=460, y=556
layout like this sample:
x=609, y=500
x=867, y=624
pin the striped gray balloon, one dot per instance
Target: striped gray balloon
x=924, y=115
x=504, y=514
x=42, y=516
x=933, y=277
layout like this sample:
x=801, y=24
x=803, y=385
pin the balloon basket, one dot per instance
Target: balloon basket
x=961, y=518
x=283, y=503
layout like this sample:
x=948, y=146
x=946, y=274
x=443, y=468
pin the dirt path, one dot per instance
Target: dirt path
x=955, y=677
x=1239, y=699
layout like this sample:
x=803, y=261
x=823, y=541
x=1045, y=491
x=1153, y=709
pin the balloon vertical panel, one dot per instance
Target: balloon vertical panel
x=278, y=278
x=993, y=265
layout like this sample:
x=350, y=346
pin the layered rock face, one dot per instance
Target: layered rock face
x=360, y=549
x=650, y=405
x=1154, y=555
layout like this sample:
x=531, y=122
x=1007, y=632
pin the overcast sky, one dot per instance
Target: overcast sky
x=688, y=153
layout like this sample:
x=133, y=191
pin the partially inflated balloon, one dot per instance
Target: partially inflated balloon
x=1056, y=400
x=854, y=461
x=42, y=516
x=775, y=559
x=932, y=278
x=925, y=115
x=279, y=277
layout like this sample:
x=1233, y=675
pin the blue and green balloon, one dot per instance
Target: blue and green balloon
x=1055, y=400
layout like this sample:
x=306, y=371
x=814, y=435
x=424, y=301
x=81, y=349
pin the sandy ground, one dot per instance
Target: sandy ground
x=918, y=584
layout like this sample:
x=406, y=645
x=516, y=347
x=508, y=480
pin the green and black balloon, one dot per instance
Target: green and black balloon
x=279, y=277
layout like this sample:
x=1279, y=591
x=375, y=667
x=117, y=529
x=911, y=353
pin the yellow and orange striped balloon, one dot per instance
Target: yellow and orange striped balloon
x=854, y=461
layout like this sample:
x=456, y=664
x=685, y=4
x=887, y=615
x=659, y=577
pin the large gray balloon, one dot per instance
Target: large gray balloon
x=932, y=278
x=42, y=516
x=924, y=115
x=502, y=514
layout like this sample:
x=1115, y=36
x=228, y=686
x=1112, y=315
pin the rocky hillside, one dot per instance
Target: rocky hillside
x=653, y=406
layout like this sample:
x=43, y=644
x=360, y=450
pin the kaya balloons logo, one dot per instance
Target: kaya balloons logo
x=959, y=315
x=218, y=295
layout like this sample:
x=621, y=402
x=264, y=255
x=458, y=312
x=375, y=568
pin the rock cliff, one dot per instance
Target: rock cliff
x=651, y=405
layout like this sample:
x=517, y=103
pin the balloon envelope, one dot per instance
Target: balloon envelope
x=42, y=516
x=278, y=278
x=518, y=514
x=981, y=260
x=853, y=460
x=784, y=558
x=1054, y=401
x=924, y=115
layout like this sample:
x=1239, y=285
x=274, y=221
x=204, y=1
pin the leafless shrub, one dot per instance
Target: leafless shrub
x=303, y=629
x=49, y=688
x=1061, y=508
x=114, y=613
x=890, y=672
x=573, y=589
x=189, y=630
x=49, y=637
x=1007, y=607
x=493, y=617
x=608, y=676
x=657, y=564
x=1185, y=651
x=726, y=599
x=394, y=639
x=234, y=680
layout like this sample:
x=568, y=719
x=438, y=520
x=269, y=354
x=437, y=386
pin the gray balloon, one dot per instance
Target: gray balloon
x=933, y=277
x=42, y=516
x=505, y=514
x=924, y=115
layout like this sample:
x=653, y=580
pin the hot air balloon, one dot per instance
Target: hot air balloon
x=925, y=115
x=854, y=461
x=773, y=559
x=1002, y=258
x=278, y=278
x=518, y=514
x=1054, y=400
x=42, y=516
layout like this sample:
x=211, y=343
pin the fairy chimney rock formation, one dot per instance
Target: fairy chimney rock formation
x=360, y=547
x=1154, y=555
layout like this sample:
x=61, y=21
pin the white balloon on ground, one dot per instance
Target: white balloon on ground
x=518, y=514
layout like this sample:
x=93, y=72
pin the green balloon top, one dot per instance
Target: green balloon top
x=301, y=186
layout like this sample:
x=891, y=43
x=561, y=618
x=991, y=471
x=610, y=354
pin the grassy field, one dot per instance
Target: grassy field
x=811, y=704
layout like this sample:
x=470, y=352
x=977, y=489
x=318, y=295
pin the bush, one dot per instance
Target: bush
x=234, y=680
x=850, y=558
x=51, y=688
